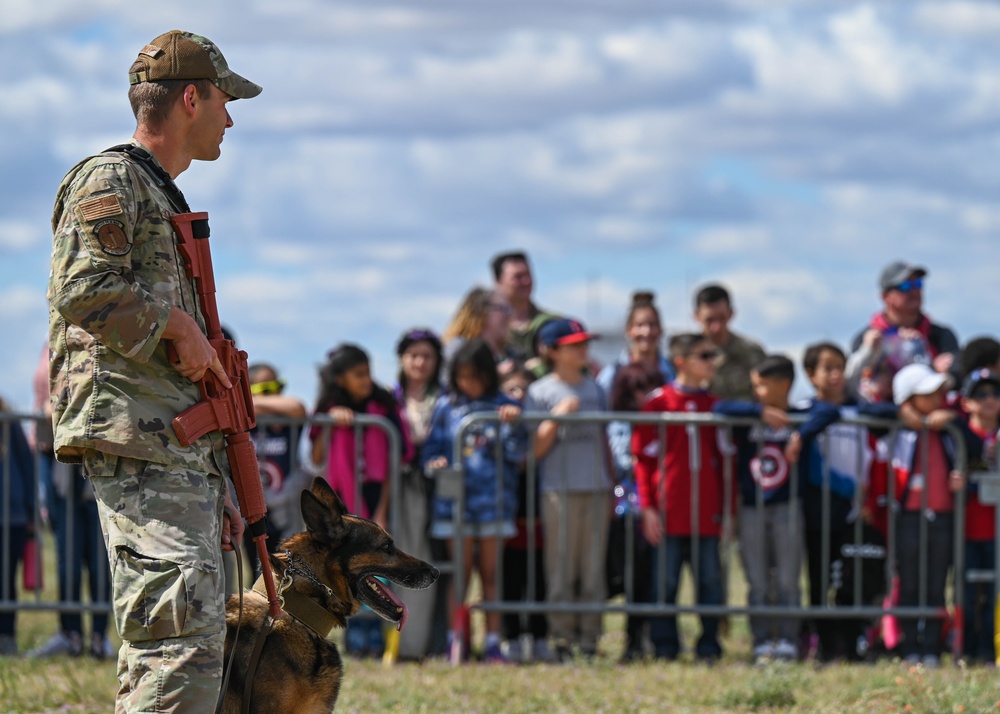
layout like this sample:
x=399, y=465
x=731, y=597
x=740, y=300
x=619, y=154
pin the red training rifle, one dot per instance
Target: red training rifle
x=225, y=409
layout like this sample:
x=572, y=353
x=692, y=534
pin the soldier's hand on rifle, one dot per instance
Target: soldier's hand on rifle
x=194, y=353
x=232, y=524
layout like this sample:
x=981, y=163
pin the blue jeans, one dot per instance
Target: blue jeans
x=708, y=589
x=978, y=616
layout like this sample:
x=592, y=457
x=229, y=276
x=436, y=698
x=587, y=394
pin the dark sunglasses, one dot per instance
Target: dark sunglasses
x=911, y=284
x=706, y=355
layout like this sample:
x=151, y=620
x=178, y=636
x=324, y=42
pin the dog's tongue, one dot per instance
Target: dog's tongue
x=400, y=605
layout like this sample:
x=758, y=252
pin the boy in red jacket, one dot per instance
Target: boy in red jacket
x=679, y=483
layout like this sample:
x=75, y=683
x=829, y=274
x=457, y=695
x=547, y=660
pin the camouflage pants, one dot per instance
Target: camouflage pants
x=162, y=525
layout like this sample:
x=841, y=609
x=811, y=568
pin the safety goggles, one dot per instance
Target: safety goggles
x=272, y=386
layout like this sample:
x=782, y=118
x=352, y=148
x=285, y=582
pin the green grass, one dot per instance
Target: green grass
x=83, y=686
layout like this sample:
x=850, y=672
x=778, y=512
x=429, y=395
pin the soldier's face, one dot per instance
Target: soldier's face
x=211, y=121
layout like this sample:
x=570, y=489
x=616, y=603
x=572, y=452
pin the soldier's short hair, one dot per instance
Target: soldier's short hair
x=151, y=101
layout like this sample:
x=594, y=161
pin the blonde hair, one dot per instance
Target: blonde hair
x=470, y=317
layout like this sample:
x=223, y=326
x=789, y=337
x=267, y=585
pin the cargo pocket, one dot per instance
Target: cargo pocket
x=152, y=597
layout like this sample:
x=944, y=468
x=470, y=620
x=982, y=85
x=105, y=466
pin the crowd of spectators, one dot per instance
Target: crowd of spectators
x=502, y=354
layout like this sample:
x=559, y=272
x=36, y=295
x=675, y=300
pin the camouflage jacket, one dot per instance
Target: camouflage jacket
x=116, y=273
x=732, y=378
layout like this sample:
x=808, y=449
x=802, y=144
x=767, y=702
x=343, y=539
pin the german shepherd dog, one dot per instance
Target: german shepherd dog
x=330, y=569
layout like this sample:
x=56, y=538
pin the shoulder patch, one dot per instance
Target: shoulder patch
x=101, y=207
x=112, y=238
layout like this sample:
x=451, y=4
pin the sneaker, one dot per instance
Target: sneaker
x=493, y=655
x=457, y=653
x=62, y=643
x=912, y=660
x=100, y=647
x=8, y=646
x=540, y=651
x=931, y=661
x=786, y=651
x=763, y=653
x=513, y=652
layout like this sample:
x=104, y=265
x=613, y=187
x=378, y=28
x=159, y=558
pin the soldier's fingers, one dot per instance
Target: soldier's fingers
x=220, y=372
x=227, y=541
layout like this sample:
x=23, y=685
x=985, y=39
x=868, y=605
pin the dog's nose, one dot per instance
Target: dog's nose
x=435, y=573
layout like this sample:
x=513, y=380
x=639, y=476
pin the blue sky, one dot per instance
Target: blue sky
x=787, y=149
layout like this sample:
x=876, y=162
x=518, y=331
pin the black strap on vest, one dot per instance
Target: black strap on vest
x=160, y=177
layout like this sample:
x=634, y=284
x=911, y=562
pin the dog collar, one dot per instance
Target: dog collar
x=304, y=609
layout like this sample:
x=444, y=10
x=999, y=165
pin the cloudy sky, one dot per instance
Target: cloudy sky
x=786, y=148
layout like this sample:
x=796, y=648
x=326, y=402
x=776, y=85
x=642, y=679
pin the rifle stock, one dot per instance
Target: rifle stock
x=229, y=410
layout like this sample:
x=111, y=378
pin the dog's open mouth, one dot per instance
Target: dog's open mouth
x=383, y=601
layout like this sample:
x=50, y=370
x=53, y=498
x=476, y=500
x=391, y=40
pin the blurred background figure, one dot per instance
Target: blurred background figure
x=17, y=517
x=70, y=509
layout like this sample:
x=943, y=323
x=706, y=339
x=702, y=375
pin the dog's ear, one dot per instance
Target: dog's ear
x=324, y=518
x=326, y=495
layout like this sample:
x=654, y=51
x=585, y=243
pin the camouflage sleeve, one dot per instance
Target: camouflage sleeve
x=92, y=282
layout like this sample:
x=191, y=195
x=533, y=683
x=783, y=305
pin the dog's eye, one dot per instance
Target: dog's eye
x=389, y=548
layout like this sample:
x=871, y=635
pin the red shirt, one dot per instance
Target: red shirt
x=980, y=518
x=672, y=495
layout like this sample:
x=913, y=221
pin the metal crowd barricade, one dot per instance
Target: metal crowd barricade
x=361, y=423
x=635, y=604
x=41, y=599
x=44, y=491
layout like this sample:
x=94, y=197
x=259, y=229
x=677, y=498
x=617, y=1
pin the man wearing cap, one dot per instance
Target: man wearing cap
x=898, y=335
x=118, y=297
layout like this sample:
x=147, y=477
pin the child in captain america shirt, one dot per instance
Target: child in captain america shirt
x=770, y=489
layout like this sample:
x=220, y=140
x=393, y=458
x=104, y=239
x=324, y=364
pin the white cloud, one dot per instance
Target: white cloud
x=397, y=147
x=962, y=17
x=19, y=235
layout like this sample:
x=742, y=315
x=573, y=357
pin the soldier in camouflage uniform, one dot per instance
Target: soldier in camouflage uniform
x=713, y=309
x=118, y=297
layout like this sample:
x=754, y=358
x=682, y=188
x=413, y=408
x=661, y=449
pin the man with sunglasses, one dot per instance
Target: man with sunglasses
x=898, y=335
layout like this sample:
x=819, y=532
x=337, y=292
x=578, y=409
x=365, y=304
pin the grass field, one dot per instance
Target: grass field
x=84, y=686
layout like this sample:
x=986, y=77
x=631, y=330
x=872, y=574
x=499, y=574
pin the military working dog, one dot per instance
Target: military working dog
x=325, y=574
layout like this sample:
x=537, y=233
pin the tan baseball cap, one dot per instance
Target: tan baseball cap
x=184, y=55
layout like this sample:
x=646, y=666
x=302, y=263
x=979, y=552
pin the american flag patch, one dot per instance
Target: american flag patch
x=96, y=208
